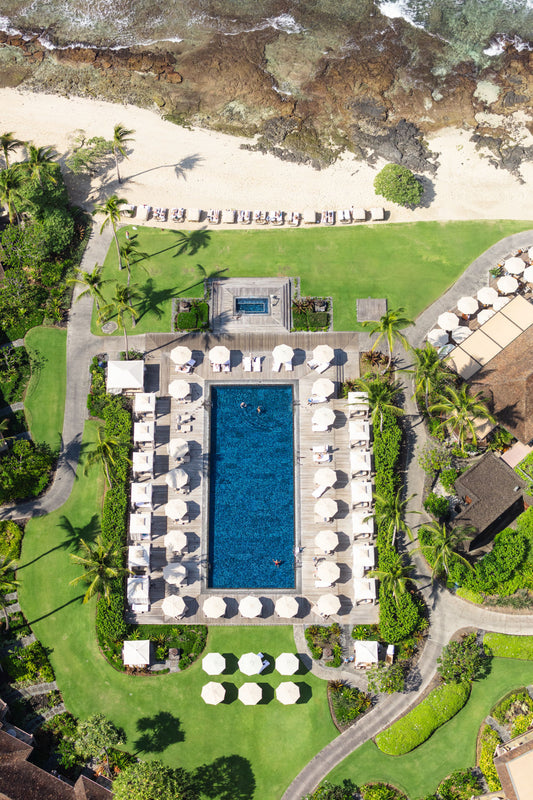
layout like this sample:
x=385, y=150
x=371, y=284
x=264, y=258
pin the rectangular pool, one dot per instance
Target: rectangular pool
x=251, y=487
x=251, y=305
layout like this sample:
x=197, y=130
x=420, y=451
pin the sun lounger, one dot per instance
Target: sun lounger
x=344, y=215
x=213, y=216
x=177, y=214
x=183, y=428
x=311, y=401
x=276, y=217
x=216, y=367
x=321, y=454
x=276, y=366
x=127, y=210
x=257, y=364
x=288, y=366
x=161, y=214
x=328, y=218
x=259, y=217
x=319, y=491
x=322, y=585
x=319, y=428
x=245, y=217
x=228, y=216
x=358, y=214
x=312, y=364
x=247, y=363
x=226, y=367
x=323, y=367
x=294, y=220
x=182, y=368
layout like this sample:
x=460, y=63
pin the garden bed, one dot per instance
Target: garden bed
x=324, y=641
x=195, y=318
x=15, y=371
x=346, y=704
x=311, y=314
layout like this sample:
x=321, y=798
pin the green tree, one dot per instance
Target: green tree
x=111, y=210
x=386, y=678
x=8, y=584
x=38, y=164
x=390, y=511
x=461, y=661
x=389, y=327
x=398, y=185
x=88, y=155
x=121, y=304
x=152, y=780
x=9, y=144
x=95, y=735
x=393, y=575
x=93, y=283
x=10, y=186
x=383, y=396
x=131, y=249
x=430, y=374
x=101, y=564
x=25, y=470
x=121, y=137
x=106, y=451
x=459, y=410
x=440, y=544
x=333, y=791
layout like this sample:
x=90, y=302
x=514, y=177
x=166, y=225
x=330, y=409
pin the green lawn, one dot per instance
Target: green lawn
x=249, y=752
x=410, y=264
x=44, y=403
x=451, y=747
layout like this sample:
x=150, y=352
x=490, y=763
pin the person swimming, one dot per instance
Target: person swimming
x=259, y=410
x=243, y=405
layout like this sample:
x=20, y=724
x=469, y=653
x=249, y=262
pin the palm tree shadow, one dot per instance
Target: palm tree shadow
x=55, y=610
x=158, y=732
x=187, y=164
x=87, y=532
x=192, y=241
x=153, y=300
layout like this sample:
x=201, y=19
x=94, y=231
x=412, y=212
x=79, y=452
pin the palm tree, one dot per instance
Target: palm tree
x=7, y=584
x=38, y=163
x=390, y=512
x=121, y=137
x=10, y=184
x=102, y=567
x=460, y=409
x=394, y=575
x=442, y=548
x=9, y=144
x=382, y=396
x=390, y=327
x=111, y=210
x=430, y=373
x=130, y=249
x=120, y=305
x=93, y=283
x=105, y=451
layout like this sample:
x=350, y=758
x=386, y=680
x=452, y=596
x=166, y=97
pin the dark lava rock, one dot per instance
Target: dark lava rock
x=401, y=144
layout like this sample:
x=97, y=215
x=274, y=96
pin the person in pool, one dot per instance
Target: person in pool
x=259, y=410
x=243, y=405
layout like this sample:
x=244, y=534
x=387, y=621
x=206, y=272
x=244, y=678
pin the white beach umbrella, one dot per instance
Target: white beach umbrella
x=487, y=295
x=501, y=302
x=176, y=541
x=325, y=476
x=179, y=389
x=177, y=448
x=328, y=571
x=213, y=663
x=485, y=315
x=176, y=478
x=326, y=507
x=528, y=275
x=287, y=606
x=250, y=694
x=219, y=354
x=214, y=607
x=288, y=693
x=282, y=353
x=507, y=284
x=180, y=355
x=461, y=333
x=176, y=509
x=437, y=337
x=287, y=664
x=173, y=606
x=323, y=387
x=327, y=540
x=448, y=321
x=250, y=606
x=175, y=573
x=324, y=354
x=213, y=693
x=514, y=266
x=467, y=305
x=250, y=663
x=323, y=417
x=328, y=604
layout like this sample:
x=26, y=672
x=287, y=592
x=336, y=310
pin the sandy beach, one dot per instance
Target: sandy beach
x=171, y=166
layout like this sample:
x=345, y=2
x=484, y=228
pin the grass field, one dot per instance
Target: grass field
x=44, y=403
x=410, y=264
x=247, y=752
x=451, y=747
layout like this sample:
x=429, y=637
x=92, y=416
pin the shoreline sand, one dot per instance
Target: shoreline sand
x=173, y=166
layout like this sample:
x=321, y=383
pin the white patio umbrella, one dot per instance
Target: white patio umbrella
x=487, y=295
x=325, y=476
x=324, y=417
x=287, y=664
x=175, y=573
x=213, y=693
x=282, y=353
x=467, y=305
x=323, y=387
x=250, y=694
x=437, y=337
x=324, y=354
x=514, y=266
x=176, y=541
x=250, y=663
x=177, y=448
x=485, y=315
x=287, y=606
x=528, y=275
x=250, y=607
x=179, y=389
x=328, y=604
x=173, y=606
x=501, y=302
x=288, y=693
x=461, y=333
x=180, y=355
x=448, y=321
x=214, y=607
x=507, y=284
x=176, y=478
x=219, y=354
x=327, y=541
x=176, y=509
x=326, y=507
x=213, y=663
x=328, y=571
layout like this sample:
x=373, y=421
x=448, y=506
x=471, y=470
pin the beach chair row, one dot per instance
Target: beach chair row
x=230, y=216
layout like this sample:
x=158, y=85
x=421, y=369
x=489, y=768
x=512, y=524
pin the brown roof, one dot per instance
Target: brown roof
x=515, y=767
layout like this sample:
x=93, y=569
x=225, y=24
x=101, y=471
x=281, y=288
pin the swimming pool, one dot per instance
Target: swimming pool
x=251, y=487
x=251, y=305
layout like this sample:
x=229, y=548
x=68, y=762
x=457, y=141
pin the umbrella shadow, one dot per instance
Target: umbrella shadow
x=306, y=693
x=232, y=692
x=267, y=693
x=232, y=663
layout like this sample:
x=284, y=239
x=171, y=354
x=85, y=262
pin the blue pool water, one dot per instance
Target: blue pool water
x=251, y=487
x=251, y=305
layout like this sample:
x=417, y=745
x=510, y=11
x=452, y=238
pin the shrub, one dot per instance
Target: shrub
x=320, y=636
x=366, y=632
x=437, y=506
x=29, y=665
x=348, y=703
x=10, y=540
x=506, y=645
x=513, y=705
x=399, y=185
x=386, y=679
x=488, y=742
x=448, y=478
x=25, y=470
x=398, y=619
x=381, y=791
x=415, y=727
x=460, y=785
x=332, y=791
x=193, y=320
x=461, y=661
x=521, y=724
x=310, y=320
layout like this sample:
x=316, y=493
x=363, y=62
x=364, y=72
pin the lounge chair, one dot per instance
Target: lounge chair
x=276, y=366
x=288, y=366
x=184, y=428
x=216, y=367
x=295, y=218
x=344, y=215
x=323, y=367
x=226, y=367
x=213, y=216
x=245, y=217
x=194, y=214
x=319, y=428
x=319, y=491
x=247, y=363
x=312, y=364
x=257, y=363
x=183, y=368
x=311, y=401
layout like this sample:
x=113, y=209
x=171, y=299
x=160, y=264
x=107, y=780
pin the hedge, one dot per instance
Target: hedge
x=310, y=320
x=414, y=728
x=506, y=645
x=489, y=740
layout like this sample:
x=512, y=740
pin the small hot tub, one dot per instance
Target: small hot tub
x=251, y=305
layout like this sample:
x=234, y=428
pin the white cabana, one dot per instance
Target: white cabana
x=123, y=376
x=138, y=590
x=437, y=337
x=287, y=664
x=487, y=295
x=141, y=524
x=228, y=216
x=365, y=652
x=214, y=607
x=178, y=448
x=219, y=354
x=176, y=541
x=361, y=492
x=175, y=573
x=359, y=431
x=485, y=315
x=364, y=558
x=181, y=354
x=139, y=556
x=360, y=462
x=326, y=508
x=328, y=604
x=177, y=478
x=142, y=462
x=288, y=693
x=322, y=387
x=144, y=432
x=141, y=495
x=250, y=664
x=327, y=540
x=325, y=476
x=174, y=606
x=467, y=305
x=461, y=333
x=362, y=523
x=364, y=590
x=514, y=265
x=500, y=303
x=213, y=693
x=328, y=572
x=323, y=418
x=324, y=354
x=250, y=607
x=282, y=353
x=250, y=694
x=448, y=321
x=528, y=275
x=194, y=214
x=136, y=653
x=176, y=509
x=179, y=389
x=287, y=606
x=144, y=403
x=309, y=216
x=214, y=663
x=507, y=284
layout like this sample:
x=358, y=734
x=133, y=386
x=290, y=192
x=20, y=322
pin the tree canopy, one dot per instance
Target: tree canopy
x=152, y=780
x=399, y=185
